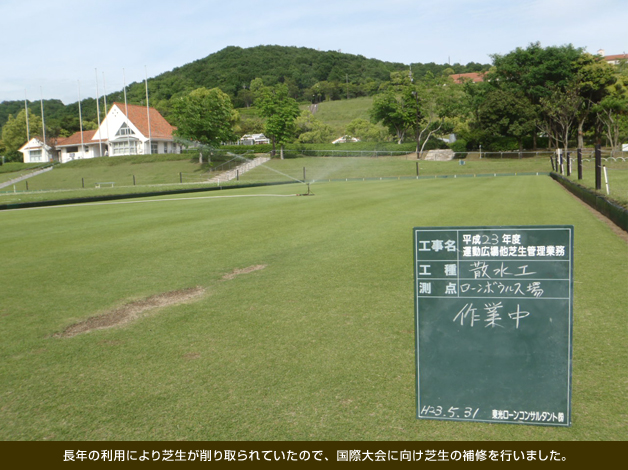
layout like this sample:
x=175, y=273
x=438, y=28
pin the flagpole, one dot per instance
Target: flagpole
x=98, y=113
x=43, y=122
x=28, y=132
x=150, y=150
x=126, y=111
x=104, y=85
x=81, y=119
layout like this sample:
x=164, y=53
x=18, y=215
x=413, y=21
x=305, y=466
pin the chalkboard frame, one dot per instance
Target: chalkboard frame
x=564, y=345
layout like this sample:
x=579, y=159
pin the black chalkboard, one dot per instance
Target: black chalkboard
x=493, y=323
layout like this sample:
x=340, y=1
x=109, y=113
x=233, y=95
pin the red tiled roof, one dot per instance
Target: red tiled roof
x=75, y=139
x=475, y=77
x=159, y=127
x=616, y=57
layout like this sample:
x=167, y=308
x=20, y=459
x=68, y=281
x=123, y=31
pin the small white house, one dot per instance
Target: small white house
x=35, y=151
x=344, y=139
x=253, y=139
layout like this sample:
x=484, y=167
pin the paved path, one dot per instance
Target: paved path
x=24, y=177
x=239, y=170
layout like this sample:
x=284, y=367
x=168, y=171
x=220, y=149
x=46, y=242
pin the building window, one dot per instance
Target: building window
x=124, y=130
x=154, y=147
x=165, y=147
x=72, y=149
x=125, y=147
x=35, y=155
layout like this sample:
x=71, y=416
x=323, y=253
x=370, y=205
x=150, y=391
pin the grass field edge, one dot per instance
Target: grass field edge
x=616, y=213
x=113, y=197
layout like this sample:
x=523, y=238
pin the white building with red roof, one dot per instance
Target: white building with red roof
x=79, y=145
x=35, y=151
x=126, y=130
x=134, y=130
x=616, y=59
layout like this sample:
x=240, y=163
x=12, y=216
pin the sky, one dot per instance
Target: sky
x=51, y=49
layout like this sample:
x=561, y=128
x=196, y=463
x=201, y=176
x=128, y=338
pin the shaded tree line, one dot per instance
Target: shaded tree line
x=559, y=93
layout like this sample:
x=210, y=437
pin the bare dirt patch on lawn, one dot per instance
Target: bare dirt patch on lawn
x=131, y=311
x=236, y=272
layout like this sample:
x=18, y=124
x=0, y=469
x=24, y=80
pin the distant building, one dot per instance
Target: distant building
x=616, y=59
x=124, y=131
x=34, y=151
x=344, y=139
x=253, y=139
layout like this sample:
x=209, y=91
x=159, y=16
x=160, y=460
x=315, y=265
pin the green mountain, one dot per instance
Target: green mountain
x=310, y=74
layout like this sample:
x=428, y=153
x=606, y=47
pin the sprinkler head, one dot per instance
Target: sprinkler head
x=309, y=193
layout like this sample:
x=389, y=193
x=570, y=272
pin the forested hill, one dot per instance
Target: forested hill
x=311, y=75
x=305, y=71
x=233, y=68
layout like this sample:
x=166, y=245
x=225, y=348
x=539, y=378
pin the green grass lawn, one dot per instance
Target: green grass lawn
x=12, y=167
x=4, y=177
x=13, y=170
x=617, y=171
x=317, y=345
x=122, y=175
x=338, y=114
x=325, y=168
x=65, y=181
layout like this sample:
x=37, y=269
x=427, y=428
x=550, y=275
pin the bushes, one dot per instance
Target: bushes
x=296, y=148
x=240, y=149
x=459, y=145
x=460, y=148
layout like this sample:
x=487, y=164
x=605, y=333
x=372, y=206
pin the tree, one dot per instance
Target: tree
x=366, y=131
x=437, y=101
x=530, y=72
x=245, y=97
x=613, y=114
x=593, y=78
x=507, y=114
x=250, y=125
x=311, y=130
x=396, y=108
x=205, y=116
x=423, y=106
x=562, y=108
x=14, y=133
x=280, y=112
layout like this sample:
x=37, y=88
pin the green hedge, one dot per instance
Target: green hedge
x=408, y=147
x=459, y=146
x=612, y=210
x=242, y=149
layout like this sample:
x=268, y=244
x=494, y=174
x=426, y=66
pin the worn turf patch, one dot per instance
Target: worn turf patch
x=236, y=272
x=131, y=311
